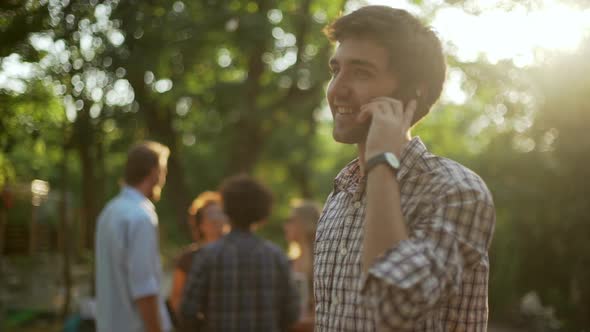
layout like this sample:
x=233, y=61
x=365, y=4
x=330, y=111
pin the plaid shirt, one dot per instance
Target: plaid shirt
x=437, y=280
x=239, y=283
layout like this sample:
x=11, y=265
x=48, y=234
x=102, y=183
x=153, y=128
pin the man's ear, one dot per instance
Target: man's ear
x=154, y=175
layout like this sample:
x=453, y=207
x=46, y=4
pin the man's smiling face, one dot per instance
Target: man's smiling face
x=360, y=72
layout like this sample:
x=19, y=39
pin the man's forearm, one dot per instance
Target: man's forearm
x=178, y=281
x=384, y=222
x=148, y=310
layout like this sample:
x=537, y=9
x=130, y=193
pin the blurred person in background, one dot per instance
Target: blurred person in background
x=299, y=231
x=128, y=267
x=207, y=223
x=240, y=282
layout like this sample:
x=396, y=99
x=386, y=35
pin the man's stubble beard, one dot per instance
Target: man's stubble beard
x=356, y=135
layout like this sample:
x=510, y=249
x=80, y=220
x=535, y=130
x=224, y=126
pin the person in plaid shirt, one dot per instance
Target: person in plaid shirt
x=403, y=240
x=240, y=282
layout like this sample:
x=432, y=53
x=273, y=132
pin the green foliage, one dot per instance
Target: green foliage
x=537, y=177
x=29, y=134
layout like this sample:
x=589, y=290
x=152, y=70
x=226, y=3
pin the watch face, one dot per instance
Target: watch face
x=392, y=160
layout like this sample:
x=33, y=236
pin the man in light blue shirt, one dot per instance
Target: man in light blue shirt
x=128, y=269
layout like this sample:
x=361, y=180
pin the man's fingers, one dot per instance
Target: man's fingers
x=365, y=114
x=388, y=107
x=371, y=109
x=409, y=113
x=394, y=104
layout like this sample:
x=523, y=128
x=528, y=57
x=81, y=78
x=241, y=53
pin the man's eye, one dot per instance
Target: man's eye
x=362, y=74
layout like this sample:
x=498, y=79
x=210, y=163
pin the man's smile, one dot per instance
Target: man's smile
x=344, y=110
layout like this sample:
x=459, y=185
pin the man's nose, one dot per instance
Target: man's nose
x=339, y=86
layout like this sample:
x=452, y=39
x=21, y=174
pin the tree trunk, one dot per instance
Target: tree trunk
x=64, y=231
x=86, y=151
x=85, y=140
x=248, y=142
x=3, y=220
x=249, y=138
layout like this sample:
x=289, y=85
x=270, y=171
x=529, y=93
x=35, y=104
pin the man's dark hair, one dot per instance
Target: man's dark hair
x=415, y=52
x=245, y=200
x=141, y=160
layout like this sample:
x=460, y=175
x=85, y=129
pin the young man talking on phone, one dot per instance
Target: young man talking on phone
x=402, y=243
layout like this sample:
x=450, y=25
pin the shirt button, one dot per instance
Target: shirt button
x=357, y=204
x=343, y=251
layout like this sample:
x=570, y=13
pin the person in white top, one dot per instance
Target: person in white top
x=128, y=268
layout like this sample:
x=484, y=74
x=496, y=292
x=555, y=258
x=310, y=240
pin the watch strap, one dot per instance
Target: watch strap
x=386, y=158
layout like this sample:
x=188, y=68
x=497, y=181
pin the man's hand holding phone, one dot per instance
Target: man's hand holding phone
x=389, y=127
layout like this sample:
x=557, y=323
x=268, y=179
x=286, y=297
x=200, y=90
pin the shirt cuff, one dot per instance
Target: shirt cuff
x=403, y=284
x=404, y=266
x=145, y=288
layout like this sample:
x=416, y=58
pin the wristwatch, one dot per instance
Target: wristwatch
x=386, y=157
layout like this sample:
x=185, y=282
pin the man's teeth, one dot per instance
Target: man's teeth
x=344, y=110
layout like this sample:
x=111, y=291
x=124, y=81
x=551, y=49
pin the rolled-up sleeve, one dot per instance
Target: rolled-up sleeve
x=142, y=246
x=449, y=235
